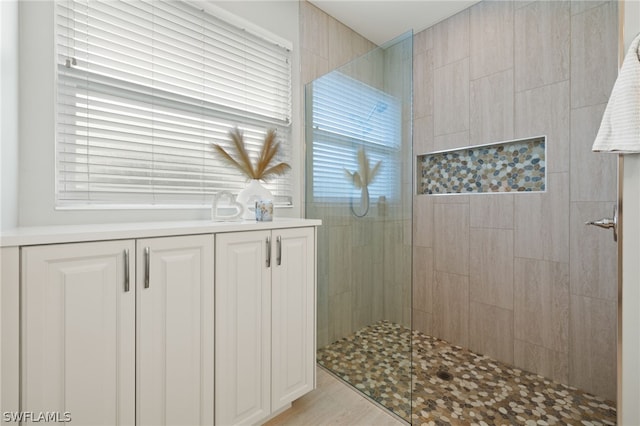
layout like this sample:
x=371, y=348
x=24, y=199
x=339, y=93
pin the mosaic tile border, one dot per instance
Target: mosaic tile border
x=513, y=166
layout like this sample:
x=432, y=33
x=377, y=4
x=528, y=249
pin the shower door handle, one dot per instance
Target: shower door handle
x=608, y=223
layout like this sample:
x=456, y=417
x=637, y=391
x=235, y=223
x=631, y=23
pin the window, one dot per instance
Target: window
x=144, y=88
x=349, y=115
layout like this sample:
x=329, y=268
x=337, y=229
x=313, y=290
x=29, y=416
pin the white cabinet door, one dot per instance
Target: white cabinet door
x=175, y=304
x=293, y=304
x=78, y=332
x=9, y=331
x=243, y=328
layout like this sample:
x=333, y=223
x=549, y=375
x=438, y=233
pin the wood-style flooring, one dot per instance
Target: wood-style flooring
x=334, y=403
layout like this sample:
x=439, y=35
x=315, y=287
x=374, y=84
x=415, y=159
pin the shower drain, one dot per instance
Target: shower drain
x=444, y=375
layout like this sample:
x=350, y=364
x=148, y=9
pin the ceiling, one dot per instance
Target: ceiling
x=381, y=21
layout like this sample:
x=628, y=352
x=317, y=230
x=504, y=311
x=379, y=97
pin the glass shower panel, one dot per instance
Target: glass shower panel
x=359, y=173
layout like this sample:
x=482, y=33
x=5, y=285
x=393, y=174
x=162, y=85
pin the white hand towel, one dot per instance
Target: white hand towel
x=620, y=128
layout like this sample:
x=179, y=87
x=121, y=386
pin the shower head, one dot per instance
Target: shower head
x=378, y=107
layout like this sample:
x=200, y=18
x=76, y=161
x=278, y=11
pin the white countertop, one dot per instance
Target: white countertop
x=37, y=235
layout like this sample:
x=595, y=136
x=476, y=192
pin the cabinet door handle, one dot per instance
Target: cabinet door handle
x=147, y=260
x=268, y=252
x=126, y=270
x=279, y=254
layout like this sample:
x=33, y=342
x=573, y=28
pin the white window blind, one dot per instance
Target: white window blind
x=349, y=115
x=145, y=87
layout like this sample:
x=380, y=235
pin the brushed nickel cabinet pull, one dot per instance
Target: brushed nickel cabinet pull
x=279, y=254
x=147, y=260
x=268, y=252
x=126, y=270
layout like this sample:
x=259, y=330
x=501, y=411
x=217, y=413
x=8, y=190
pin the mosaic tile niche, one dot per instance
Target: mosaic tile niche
x=514, y=166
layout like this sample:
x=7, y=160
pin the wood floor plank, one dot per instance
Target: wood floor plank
x=333, y=403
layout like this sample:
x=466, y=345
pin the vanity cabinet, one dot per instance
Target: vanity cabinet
x=264, y=322
x=119, y=332
x=147, y=324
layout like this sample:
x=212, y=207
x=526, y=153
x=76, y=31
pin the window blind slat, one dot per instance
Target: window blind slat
x=153, y=85
x=106, y=87
x=349, y=115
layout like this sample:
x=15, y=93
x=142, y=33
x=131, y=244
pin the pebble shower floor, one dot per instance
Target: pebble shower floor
x=481, y=391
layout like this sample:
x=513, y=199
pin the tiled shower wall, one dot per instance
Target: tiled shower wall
x=326, y=45
x=363, y=275
x=519, y=276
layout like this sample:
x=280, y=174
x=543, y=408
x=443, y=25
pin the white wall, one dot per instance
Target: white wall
x=37, y=118
x=629, y=368
x=9, y=114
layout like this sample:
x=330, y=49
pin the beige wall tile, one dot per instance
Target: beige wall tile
x=593, y=175
x=491, y=211
x=393, y=302
x=451, y=313
x=579, y=6
x=423, y=135
x=339, y=265
x=361, y=45
x=491, y=37
x=322, y=338
x=451, y=39
x=450, y=199
x=422, y=322
x=542, y=221
x=340, y=47
x=344, y=44
x=555, y=209
x=322, y=304
x=592, y=360
x=361, y=277
x=423, y=75
x=594, y=254
x=491, y=331
x=528, y=223
x=313, y=66
x=314, y=24
x=451, y=98
x=451, y=233
x=378, y=293
x=546, y=111
x=369, y=68
x=492, y=108
x=340, y=314
x=491, y=263
x=423, y=41
x=594, y=54
x=393, y=241
x=361, y=235
x=538, y=359
x=423, y=218
x=541, y=303
x=542, y=44
x=423, y=276
x=451, y=141
x=519, y=4
x=362, y=317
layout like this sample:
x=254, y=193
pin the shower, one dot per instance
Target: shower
x=438, y=307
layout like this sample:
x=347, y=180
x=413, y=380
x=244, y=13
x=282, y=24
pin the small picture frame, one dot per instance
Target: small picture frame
x=264, y=210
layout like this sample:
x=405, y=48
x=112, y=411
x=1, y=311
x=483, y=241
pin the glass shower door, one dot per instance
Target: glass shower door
x=359, y=182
